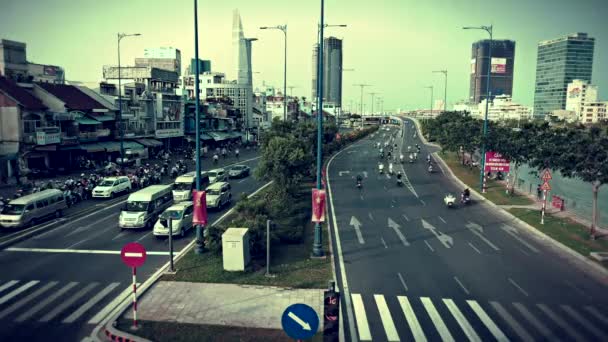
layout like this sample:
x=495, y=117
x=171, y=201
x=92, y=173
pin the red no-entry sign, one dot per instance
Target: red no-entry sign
x=133, y=254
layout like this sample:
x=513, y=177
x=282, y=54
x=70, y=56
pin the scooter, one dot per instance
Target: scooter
x=401, y=159
x=390, y=168
x=465, y=199
x=358, y=184
x=430, y=169
x=449, y=200
x=381, y=168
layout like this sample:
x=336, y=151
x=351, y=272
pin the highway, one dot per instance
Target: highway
x=412, y=269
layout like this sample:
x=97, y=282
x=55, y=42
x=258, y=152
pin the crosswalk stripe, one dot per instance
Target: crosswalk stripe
x=563, y=324
x=584, y=322
x=483, y=316
x=597, y=314
x=26, y=299
x=17, y=291
x=361, y=318
x=88, y=305
x=33, y=310
x=387, y=320
x=411, y=319
x=57, y=310
x=111, y=306
x=535, y=322
x=462, y=321
x=7, y=285
x=519, y=330
x=442, y=329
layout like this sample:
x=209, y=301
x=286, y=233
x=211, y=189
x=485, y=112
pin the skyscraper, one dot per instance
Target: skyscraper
x=559, y=62
x=241, y=51
x=503, y=61
x=332, y=71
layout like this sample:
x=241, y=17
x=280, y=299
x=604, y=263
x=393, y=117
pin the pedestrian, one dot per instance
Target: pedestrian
x=215, y=159
x=539, y=192
x=224, y=153
x=236, y=153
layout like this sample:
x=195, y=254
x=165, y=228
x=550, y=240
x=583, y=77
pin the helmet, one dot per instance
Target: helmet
x=82, y=175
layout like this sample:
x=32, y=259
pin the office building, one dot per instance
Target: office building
x=579, y=94
x=165, y=58
x=503, y=61
x=332, y=71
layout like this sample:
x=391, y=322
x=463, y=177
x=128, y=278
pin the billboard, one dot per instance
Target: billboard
x=496, y=162
x=499, y=65
x=574, y=93
x=473, y=61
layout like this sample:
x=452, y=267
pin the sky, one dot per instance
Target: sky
x=393, y=45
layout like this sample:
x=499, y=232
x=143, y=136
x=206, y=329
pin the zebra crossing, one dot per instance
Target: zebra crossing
x=54, y=301
x=421, y=319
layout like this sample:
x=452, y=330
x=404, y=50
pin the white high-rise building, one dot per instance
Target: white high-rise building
x=502, y=108
x=579, y=94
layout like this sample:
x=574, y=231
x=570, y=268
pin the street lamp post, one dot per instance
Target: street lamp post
x=372, y=109
x=120, y=123
x=431, y=87
x=485, y=120
x=361, y=102
x=445, y=89
x=284, y=29
x=200, y=244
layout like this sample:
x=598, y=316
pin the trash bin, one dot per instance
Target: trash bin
x=235, y=249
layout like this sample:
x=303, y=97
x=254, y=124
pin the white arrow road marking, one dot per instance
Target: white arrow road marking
x=478, y=230
x=298, y=320
x=445, y=239
x=364, y=174
x=343, y=172
x=121, y=234
x=355, y=223
x=396, y=226
x=513, y=232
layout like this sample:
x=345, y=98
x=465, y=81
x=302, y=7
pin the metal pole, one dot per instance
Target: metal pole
x=170, y=222
x=267, y=247
x=485, y=121
x=285, y=76
x=445, y=93
x=317, y=249
x=319, y=71
x=361, y=103
x=134, y=283
x=372, y=111
x=199, y=249
x=431, y=101
x=120, y=123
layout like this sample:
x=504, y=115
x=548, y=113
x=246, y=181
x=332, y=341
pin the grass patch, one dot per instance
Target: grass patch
x=470, y=176
x=185, y=332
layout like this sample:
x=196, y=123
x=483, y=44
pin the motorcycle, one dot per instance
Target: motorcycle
x=390, y=168
x=449, y=200
x=465, y=199
x=399, y=180
x=381, y=168
x=358, y=184
x=401, y=159
x=430, y=169
x=411, y=158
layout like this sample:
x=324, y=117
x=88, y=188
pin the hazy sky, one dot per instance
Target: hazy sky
x=392, y=44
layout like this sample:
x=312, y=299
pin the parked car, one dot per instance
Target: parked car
x=181, y=215
x=111, y=186
x=238, y=171
x=218, y=195
x=217, y=175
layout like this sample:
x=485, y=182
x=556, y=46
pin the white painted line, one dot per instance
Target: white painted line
x=384, y=242
x=442, y=329
x=462, y=321
x=77, y=243
x=361, y=197
x=106, y=310
x=512, y=231
x=411, y=319
x=561, y=323
x=17, y=291
x=442, y=220
x=593, y=311
x=8, y=284
x=241, y=181
x=371, y=217
x=406, y=218
x=524, y=252
x=67, y=303
x=518, y=287
x=43, y=235
x=483, y=238
x=40, y=305
x=387, y=320
x=361, y=317
x=429, y=246
x=144, y=236
x=423, y=202
x=26, y=299
x=77, y=251
x=121, y=234
x=462, y=286
x=134, y=255
x=577, y=289
x=585, y=322
x=95, y=222
x=89, y=304
x=535, y=322
x=506, y=316
x=476, y=250
x=483, y=316
x=402, y=281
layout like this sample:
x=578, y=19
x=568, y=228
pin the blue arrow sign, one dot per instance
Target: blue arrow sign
x=300, y=321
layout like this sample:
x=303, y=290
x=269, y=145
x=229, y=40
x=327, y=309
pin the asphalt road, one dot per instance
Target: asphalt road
x=417, y=270
x=54, y=285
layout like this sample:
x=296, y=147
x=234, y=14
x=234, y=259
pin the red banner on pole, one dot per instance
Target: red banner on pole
x=318, y=205
x=200, y=207
x=496, y=162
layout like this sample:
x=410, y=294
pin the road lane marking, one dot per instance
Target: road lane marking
x=144, y=236
x=584, y=322
x=361, y=318
x=406, y=218
x=8, y=284
x=83, y=228
x=512, y=231
x=593, y=311
x=535, y=322
x=106, y=310
x=89, y=304
x=446, y=240
x=476, y=250
x=387, y=320
x=77, y=251
x=371, y=217
x=121, y=234
x=423, y=202
x=402, y=281
x=357, y=225
x=462, y=321
x=560, y=322
x=506, y=316
x=518, y=287
x=395, y=226
x=442, y=220
x=429, y=246
x=26, y=299
x=411, y=319
x=67, y=303
x=477, y=230
x=33, y=310
x=577, y=289
x=483, y=316
x=77, y=243
x=383, y=242
x=442, y=329
x=242, y=180
x=17, y=291
x=462, y=286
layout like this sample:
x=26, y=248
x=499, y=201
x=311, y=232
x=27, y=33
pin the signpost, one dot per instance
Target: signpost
x=133, y=255
x=545, y=187
x=300, y=321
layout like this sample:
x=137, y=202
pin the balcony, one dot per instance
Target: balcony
x=94, y=135
x=69, y=139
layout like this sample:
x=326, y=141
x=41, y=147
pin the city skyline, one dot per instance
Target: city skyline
x=428, y=40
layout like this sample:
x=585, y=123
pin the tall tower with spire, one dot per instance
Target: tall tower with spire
x=241, y=51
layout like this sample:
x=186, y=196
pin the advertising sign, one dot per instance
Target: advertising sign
x=574, y=93
x=496, y=162
x=318, y=205
x=200, y=207
x=499, y=65
x=49, y=70
x=473, y=65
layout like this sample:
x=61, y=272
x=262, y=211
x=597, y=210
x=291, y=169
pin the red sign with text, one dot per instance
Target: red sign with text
x=318, y=205
x=133, y=254
x=496, y=162
x=200, y=207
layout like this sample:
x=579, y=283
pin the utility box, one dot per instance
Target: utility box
x=235, y=249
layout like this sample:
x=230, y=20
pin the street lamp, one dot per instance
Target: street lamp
x=431, y=87
x=485, y=120
x=372, y=110
x=284, y=29
x=361, y=102
x=445, y=89
x=120, y=123
x=199, y=244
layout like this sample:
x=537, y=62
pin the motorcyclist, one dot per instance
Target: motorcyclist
x=399, y=181
x=409, y=148
x=428, y=158
x=390, y=168
x=466, y=194
x=381, y=167
x=411, y=157
x=359, y=180
x=401, y=157
x=430, y=168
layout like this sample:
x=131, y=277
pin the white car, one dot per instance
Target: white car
x=181, y=215
x=218, y=195
x=217, y=175
x=111, y=186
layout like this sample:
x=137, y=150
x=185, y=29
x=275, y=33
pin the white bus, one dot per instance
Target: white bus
x=184, y=184
x=31, y=209
x=144, y=206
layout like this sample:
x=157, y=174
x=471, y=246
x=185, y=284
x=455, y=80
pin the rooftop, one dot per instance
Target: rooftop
x=19, y=94
x=74, y=98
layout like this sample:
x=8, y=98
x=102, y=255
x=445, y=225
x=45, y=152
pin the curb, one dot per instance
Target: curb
x=589, y=266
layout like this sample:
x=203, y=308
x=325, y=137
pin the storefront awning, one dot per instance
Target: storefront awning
x=218, y=136
x=86, y=121
x=149, y=142
x=93, y=147
x=102, y=118
x=110, y=146
x=132, y=145
x=205, y=136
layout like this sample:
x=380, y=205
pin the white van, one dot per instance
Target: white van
x=184, y=184
x=110, y=186
x=30, y=209
x=144, y=206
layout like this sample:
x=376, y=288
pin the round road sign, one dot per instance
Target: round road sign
x=133, y=254
x=300, y=321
